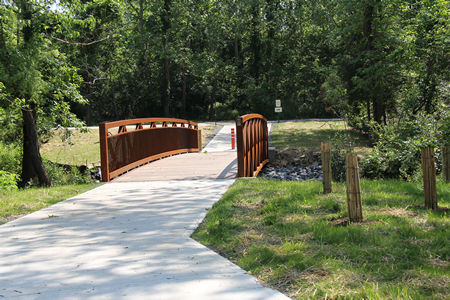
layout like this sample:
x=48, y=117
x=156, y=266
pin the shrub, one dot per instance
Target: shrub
x=342, y=144
x=8, y=180
x=224, y=112
x=60, y=175
x=10, y=156
x=397, y=150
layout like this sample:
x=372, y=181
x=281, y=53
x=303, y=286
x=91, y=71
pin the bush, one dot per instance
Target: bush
x=8, y=180
x=342, y=144
x=224, y=112
x=397, y=150
x=10, y=158
x=60, y=175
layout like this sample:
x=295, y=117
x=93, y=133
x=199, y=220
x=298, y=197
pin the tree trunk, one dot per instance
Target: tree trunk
x=31, y=158
x=255, y=43
x=183, y=95
x=166, y=63
x=166, y=87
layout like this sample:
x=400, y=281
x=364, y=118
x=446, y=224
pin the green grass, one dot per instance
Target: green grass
x=280, y=232
x=14, y=204
x=309, y=135
x=82, y=148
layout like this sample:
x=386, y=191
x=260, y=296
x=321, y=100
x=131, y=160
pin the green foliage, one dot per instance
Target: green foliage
x=8, y=180
x=396, y=153
x=10, y=158
x=224, y=112
x=61, y=175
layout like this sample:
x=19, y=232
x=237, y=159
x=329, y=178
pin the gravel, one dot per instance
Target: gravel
x=312, y=172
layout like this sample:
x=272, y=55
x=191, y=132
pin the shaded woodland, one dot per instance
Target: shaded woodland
x=68, y=63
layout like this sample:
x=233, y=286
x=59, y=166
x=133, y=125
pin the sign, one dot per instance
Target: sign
x=278, y=103
x=278, y=109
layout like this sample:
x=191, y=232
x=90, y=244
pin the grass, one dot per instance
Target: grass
x=14, y=204
x=280, y=232
x=83, y=147
x=77, y=148
x=309, y=135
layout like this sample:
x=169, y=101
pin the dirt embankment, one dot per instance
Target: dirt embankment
x=294, y=157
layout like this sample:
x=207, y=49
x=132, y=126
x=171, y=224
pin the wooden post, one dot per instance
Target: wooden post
x=353, y=188
x=429, y=178
x=446, y=163
x=104, y=161
x=326, y=166
x=199, y=139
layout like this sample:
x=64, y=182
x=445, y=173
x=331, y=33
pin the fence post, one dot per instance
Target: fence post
x=353, y=188
x=446, y=163
x=240, y=147
x=104, y=161
x=326, y=166
x=199, y=139
x=429, y=178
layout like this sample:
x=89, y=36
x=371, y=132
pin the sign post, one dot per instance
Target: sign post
x=278, y=108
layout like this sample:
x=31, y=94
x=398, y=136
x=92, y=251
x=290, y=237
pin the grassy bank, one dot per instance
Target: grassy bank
x=309, y=135
x=280, y=232
x=14, y=204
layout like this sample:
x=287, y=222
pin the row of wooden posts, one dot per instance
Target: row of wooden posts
x=353, y=185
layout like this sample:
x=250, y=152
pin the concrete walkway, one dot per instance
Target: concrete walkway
x=122, y=241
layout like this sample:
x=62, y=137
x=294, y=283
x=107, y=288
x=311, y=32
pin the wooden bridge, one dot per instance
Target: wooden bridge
x=174, y=148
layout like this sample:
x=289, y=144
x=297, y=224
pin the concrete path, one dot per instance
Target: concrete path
x=122, y=241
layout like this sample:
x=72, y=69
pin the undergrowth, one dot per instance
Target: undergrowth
x=280, y=232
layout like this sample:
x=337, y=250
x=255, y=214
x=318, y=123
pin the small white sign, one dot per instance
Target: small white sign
x=278, y=109
x=278, y=103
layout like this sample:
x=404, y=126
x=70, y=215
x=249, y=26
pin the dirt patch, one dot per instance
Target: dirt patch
x=294, y=157
x=346, y=222
x=398, y=212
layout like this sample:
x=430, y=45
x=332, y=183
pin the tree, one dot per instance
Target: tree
x=37, y=79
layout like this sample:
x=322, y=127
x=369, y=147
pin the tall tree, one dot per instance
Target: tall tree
x=36, y=77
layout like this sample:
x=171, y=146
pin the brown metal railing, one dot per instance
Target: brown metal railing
x=150, y=139
x=252, y=144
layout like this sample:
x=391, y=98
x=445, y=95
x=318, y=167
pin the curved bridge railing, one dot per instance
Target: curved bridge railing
x=252, y=144
x=123, y=148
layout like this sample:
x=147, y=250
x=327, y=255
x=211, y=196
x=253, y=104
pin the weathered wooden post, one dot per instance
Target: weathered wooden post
x=446, y=163
x=429, y=178
x=353, y=188
x=199, y=139
x=326, y=166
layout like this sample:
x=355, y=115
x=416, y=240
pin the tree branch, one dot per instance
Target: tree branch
x=79, y=43
x=95, y=79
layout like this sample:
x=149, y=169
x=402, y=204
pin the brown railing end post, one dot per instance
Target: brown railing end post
x=103, y=132
x=240, y=147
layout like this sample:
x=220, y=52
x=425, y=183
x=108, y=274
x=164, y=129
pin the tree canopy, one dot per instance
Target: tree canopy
x=366, y=60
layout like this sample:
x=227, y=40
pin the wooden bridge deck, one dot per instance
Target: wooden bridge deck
x=190, y=166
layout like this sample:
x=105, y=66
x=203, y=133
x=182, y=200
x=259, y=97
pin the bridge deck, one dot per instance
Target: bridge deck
x=190, y=166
